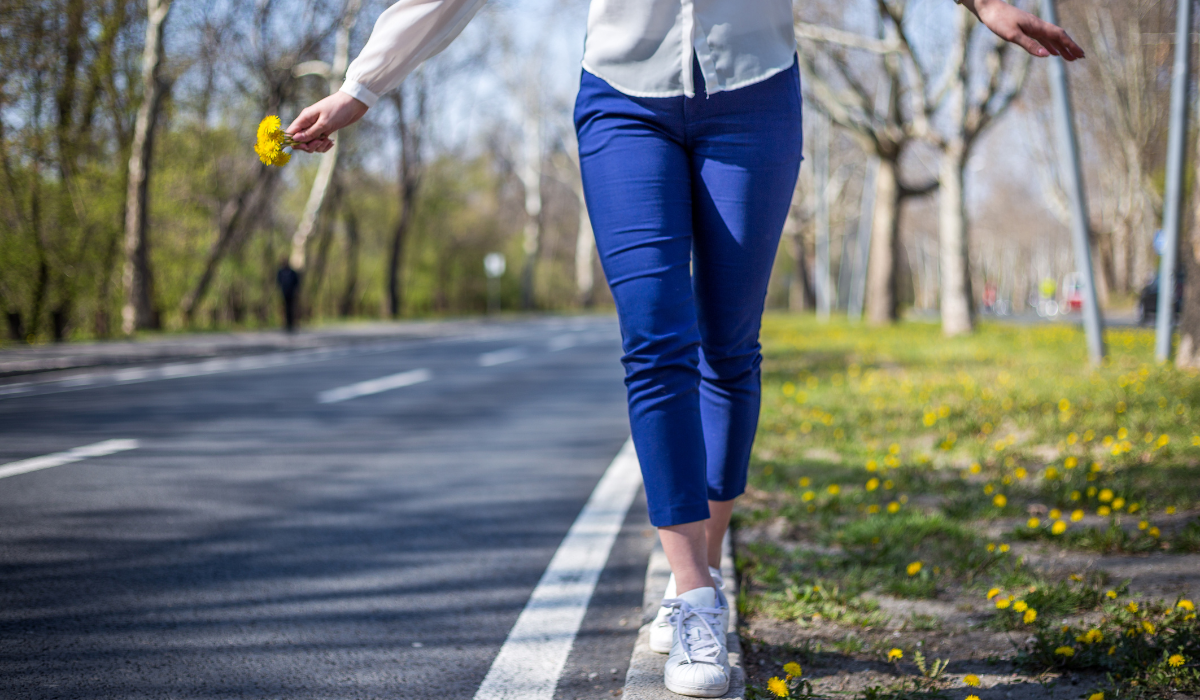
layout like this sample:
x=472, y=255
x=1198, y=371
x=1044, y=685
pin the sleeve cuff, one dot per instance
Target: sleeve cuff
x=360, y=93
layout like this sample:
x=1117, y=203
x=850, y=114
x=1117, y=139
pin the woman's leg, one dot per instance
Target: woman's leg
x=638, y=184
x=745, y=160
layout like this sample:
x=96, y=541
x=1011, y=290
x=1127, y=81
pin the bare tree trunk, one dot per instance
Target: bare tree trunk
x=530, y=173
x=952, y=236
x=882, y=301
x=585, y=249
x=348, y=306
x=137, y=277
x=1188, y=354
x=335, y=74
x=410, y=183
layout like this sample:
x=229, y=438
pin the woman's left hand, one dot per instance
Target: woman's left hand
x=1031, y=33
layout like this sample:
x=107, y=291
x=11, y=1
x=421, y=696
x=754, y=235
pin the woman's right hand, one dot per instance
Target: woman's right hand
x=314, y=126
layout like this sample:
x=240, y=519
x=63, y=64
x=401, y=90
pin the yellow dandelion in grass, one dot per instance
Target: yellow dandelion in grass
x=808, y=496
x=972, y=697
x=1133, y=507
x=1176, y=660
x=778, y=687
x=1103, y=511
x=1093, y=636
x=834, y=489
x=1032, y=523
x=1148, y=627
x=1054, y=514
x=1065, y=651
x=1142, y=525
x=792, y=669
x=975, y=468
x=1118, y=503
x=895, y=655
x=1000, y=500
x=914, y=568
x=1186, y=605
x=1020, y=606
x=1170, y=510
x=1004, y=548
x=1154, y=532
x=1030, y=616
x=805, y=482
x=1096, y=696
x=1106, y=495
x=1070, y=462
x=1132, y=607
x=893, y=507
x=993, y=593
x=872, y=509
x=872, y=484
x=1003, y=603
x=1111, y=594
x=1058, y=528
x=1076, y=515
x=991, y=547
x=971, y=679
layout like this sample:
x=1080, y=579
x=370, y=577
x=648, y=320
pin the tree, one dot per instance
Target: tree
x=968, y=116
x=139, y=311
x=410, y=124
x=881, y=126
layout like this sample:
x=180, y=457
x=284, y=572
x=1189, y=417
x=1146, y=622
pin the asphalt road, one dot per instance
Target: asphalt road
x=261, y=544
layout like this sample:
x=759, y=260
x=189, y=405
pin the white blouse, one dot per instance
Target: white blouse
x=643, y=48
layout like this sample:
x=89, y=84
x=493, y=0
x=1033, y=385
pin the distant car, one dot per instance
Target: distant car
x=1147, y=308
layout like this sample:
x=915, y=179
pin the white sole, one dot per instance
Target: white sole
x=697, y=692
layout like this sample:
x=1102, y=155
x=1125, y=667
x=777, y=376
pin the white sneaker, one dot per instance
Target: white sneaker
x=699, y=663
x=662, y=629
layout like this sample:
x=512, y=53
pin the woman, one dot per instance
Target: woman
x=688, y=119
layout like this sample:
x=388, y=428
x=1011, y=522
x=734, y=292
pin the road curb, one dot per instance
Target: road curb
x=645, y=678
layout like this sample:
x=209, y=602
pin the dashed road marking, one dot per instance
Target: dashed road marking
x=99, y=449
x=375, y=386
x=499, y=357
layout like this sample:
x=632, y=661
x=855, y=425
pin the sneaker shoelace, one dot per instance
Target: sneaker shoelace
x=691, y=624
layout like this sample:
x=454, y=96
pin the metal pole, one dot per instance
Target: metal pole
x=1068, y=151
x=821, y=171
x=1173, y=201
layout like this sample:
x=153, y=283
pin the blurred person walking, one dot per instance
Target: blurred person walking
x=289, y=286
x=689, y=125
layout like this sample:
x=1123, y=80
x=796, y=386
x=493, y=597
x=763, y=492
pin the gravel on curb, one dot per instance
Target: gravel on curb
x=645, y=678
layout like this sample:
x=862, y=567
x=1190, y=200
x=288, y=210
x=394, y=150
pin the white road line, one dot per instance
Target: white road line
x=499, y=357
x=562, y=342
x=58, y=459
x=375, y=386
x=536, y=650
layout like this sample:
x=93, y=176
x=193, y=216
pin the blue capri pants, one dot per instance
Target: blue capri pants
x=688, y=197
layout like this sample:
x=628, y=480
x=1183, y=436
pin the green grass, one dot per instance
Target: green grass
x=909, y=464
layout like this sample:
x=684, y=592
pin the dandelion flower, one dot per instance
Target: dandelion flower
x=778, y=687
x=1004, y=548
x=1032, y=523
x=1030, y=616
x=1000, y=500
x=914, y=568
x=834, y=489
x=1096, y=696
x=1176, y=660
x=872, y=484
x=993, y=593
x=971, y=679
x=1020, y=606
x=1143, y=525
x=1154, y=532
x=1093, y=636
x=792, y=669
x=805, y=482
x=271, y=140
x=893, y=507
x=1170, y=510
x=1103, y=511
x=1111, y=594
x=1065, y=651
x=1148, y=627
x=1186, y=605
x=972, y=697
x=1118, y=503
x=895, y=655
x=1003, y=603
x=1058, y=528
x=1132, y=607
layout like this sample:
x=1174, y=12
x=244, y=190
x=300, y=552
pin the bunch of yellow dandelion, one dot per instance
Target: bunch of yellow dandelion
x=271, y=141
x=1091, y=637
x=1065, y=651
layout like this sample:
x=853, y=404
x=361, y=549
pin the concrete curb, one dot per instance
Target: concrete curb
x=645, y=678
